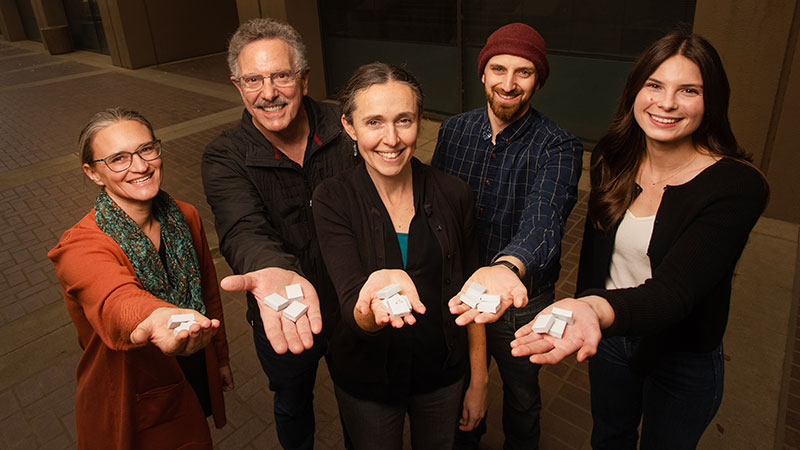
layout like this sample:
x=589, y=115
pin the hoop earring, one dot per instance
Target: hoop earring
x=355, y=148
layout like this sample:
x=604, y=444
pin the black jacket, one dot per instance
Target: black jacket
x=262, y=200
x=700, y=230
x=351, y=231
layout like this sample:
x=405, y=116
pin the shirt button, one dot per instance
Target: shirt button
x=488, y=182
x=448, y=256
x=438, y=228
x=481, y=210
x=447, y=281
x=508, y=140
x=494, y=155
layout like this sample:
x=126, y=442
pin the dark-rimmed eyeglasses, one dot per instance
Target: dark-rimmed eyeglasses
x=120, y=161
x=281, y=78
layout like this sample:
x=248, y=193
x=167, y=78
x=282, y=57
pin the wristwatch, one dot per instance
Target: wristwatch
x=508, y=264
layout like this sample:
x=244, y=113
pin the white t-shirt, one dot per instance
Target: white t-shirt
x=630, y=265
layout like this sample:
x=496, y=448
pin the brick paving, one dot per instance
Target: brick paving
x=792, y=422
x=38, y=349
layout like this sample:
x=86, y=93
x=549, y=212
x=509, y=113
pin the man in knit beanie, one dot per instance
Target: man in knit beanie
x=524, y=171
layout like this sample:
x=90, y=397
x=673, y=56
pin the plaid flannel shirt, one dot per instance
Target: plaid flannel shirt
x=525, y=186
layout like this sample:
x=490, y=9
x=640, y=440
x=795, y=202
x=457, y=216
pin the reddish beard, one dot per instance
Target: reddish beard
x=503, y=111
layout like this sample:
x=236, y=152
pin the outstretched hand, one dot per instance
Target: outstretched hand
x=369, y=312
x=154, y=330
x=497, y=280
x=582, y=336
x=282, y=333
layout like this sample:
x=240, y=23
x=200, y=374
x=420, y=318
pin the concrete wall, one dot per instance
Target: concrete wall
x=10, y=21
x=756, y=40
x=147, y=32
x=784, y=158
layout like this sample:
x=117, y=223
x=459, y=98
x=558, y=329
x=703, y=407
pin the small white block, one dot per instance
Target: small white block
x=490, y=298
x=489, y=307
x=183, y=326
x=557, y=330
x=295, y=310
x=472, y=302
x=294, y=292
x=385, y=304
x=543, y=323
x=475, y=290
x=276, y=301
x=399, y=306
x=563, y=314
x=388, y=291
x=177, y=319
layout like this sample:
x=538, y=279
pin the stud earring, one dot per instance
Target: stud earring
x=355, y=148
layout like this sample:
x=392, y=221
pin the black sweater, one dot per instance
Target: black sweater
x=700, y=230
x=351, y=227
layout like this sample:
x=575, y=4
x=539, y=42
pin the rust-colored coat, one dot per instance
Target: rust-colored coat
x=132, y=397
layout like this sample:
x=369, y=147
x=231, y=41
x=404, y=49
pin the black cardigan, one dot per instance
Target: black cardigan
x=700, y=230
x=351, y=236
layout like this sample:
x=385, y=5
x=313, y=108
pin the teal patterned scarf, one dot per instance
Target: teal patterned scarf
x=179, y=282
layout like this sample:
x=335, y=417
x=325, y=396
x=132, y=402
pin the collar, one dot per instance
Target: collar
x=422, y=190
x=323, y=129
x=509, y=133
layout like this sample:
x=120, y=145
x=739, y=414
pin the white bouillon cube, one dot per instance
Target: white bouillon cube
x=563, y=314
x=388, y=291
x=276, y=301
x=177, y=319
x=295, y=310
x=294, y=292
x=543, y=323
x=557, y=330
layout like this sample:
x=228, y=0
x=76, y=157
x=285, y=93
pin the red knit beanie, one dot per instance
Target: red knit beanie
x=520, y=40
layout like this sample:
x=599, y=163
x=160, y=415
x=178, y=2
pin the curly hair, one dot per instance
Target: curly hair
x=257, y=29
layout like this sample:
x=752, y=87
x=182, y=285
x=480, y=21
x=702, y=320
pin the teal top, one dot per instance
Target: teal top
x=402, y=239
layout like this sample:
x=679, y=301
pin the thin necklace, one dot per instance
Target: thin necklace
x=673, y=174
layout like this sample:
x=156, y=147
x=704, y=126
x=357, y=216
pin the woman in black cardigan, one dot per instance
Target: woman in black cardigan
x=673, y=199
x=394, y=220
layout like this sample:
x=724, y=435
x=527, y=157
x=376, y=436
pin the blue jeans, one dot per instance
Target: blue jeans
x=379, y=425
x=291, y=379
x=522, y=401
x=675, y=400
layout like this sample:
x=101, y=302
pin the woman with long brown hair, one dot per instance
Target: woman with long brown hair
x=673, y=199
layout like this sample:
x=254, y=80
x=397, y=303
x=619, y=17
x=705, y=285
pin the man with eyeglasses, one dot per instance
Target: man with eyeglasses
x=524, y=171
x=258, y=178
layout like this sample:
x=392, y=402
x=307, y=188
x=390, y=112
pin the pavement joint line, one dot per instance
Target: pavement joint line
x=35, y=66
x=54, y=80
x=61, y=164
x=19, y=332
x=188, y=127
x=30, y=359
x=220, y=91
x=18, y=55
x=198, y=86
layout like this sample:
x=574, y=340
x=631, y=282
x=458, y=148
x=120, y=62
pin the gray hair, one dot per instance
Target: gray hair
x=257, y=29
x=102, y=120
x=376, y=73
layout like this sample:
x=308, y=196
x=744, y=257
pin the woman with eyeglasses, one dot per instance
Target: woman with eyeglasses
x=135, y=260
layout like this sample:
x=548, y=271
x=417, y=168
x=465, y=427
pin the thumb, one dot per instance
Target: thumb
x=520, y=297
x=363, y=303
x=234, y=283
x=142, y=332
